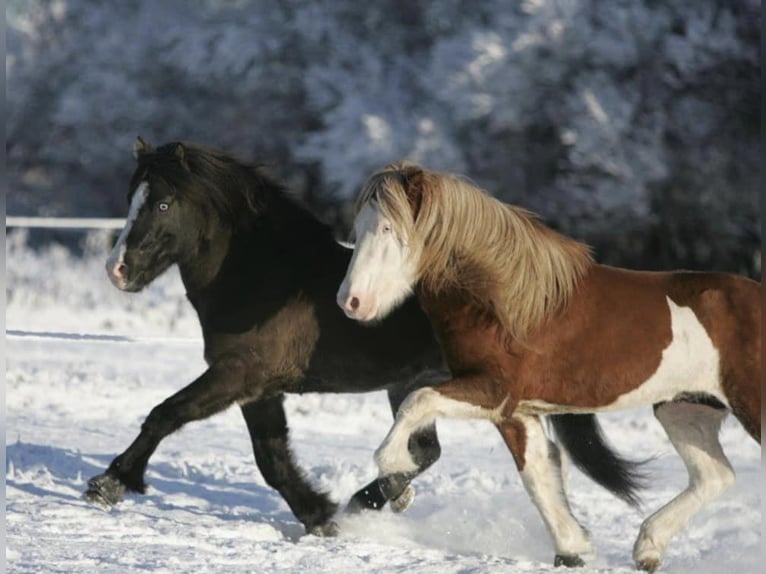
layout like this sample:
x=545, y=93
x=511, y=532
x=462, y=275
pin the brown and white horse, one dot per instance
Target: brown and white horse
x=530, y=326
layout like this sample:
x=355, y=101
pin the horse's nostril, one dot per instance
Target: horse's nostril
x=354, y=303
x=122, y=270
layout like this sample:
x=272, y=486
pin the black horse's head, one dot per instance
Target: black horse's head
x=177, y=194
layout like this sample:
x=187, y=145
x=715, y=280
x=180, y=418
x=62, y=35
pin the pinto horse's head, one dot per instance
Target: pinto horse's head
x=161, y=228
x=384, y=266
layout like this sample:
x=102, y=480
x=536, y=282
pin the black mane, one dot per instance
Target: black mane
x=239, y=191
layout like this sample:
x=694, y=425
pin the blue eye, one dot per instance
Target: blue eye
x=163, y=206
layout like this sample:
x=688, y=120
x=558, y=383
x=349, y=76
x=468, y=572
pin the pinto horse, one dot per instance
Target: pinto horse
x=530, y=325
x=261, y=273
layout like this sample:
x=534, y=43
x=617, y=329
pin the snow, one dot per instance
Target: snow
x=74, y=402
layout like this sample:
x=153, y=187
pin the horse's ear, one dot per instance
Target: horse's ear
x=140, y=147
x=414, y=177
x=180, y=153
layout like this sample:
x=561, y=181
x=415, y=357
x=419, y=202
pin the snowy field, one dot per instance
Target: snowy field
x=85, y=364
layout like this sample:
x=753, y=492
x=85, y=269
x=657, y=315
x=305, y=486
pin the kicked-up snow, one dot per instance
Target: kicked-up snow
x=86, y=363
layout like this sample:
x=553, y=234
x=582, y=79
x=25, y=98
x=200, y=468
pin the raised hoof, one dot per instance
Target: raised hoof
x=393, y=485
x=404, y=500
x=105, y=490
x=329, y=528
x=648, y=564
x=371, y=497
x=568, y=560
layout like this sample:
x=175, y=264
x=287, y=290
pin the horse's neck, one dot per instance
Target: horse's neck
x=455, y=309
x=203, y=267
x=273, y=243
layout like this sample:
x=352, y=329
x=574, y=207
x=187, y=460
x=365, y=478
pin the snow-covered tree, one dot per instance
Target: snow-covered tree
x=631, y=124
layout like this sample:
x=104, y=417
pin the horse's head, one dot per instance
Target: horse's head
x=162, y=228
x=384, y=266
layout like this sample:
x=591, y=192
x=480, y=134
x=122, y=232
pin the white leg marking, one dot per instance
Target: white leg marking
x=118, y=252
x=693, y=430
x=543, y=481
x=420, y=408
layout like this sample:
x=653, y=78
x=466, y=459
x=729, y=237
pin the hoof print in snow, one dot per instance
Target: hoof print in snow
x=105, y=490
x=568, y=560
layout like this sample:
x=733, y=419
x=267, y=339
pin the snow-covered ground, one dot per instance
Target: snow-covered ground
x=74, y=402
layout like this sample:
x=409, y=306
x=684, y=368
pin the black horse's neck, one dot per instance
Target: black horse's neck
x=269, y=235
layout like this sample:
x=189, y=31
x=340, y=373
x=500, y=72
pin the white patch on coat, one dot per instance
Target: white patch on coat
x=116, y=257
x=690, y=363
x=419, y=409
x=381, y=274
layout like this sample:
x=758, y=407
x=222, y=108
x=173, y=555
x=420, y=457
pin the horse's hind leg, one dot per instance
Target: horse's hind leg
x=423, y=447
x=267, y=424
x=693, y=430
x=745, y=398
x=539, y=464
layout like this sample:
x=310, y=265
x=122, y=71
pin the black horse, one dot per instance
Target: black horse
x=261, y=273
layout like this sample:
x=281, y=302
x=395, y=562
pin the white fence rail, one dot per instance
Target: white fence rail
x=62, y=337
x=65, y=222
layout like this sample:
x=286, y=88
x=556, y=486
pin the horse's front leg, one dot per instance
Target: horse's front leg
x=540, y=467
x=423, y=446
x=267, y=424
x=463, y=398
x=216, y=389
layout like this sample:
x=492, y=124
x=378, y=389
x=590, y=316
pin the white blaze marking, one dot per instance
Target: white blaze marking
x=118, y=252
x=380, y=273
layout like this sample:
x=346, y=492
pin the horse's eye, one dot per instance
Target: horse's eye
x=386, y=228
x=163, y=206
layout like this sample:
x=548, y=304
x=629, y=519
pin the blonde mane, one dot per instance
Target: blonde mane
x=501, y=255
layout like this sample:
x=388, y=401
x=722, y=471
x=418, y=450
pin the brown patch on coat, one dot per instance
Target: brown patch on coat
x=515, y=436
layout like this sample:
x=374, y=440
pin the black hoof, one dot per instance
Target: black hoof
x=568, y=560
x=328, y=529
x=393, y=485
x=371, y=497
x=105, y=490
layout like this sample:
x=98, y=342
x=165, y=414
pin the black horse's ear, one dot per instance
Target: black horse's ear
x=140, y=147
x=180, y=153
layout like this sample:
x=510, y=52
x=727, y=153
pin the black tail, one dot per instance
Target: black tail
x=581, y=437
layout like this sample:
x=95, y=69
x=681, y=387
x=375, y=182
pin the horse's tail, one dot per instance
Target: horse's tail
x=581, y=437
